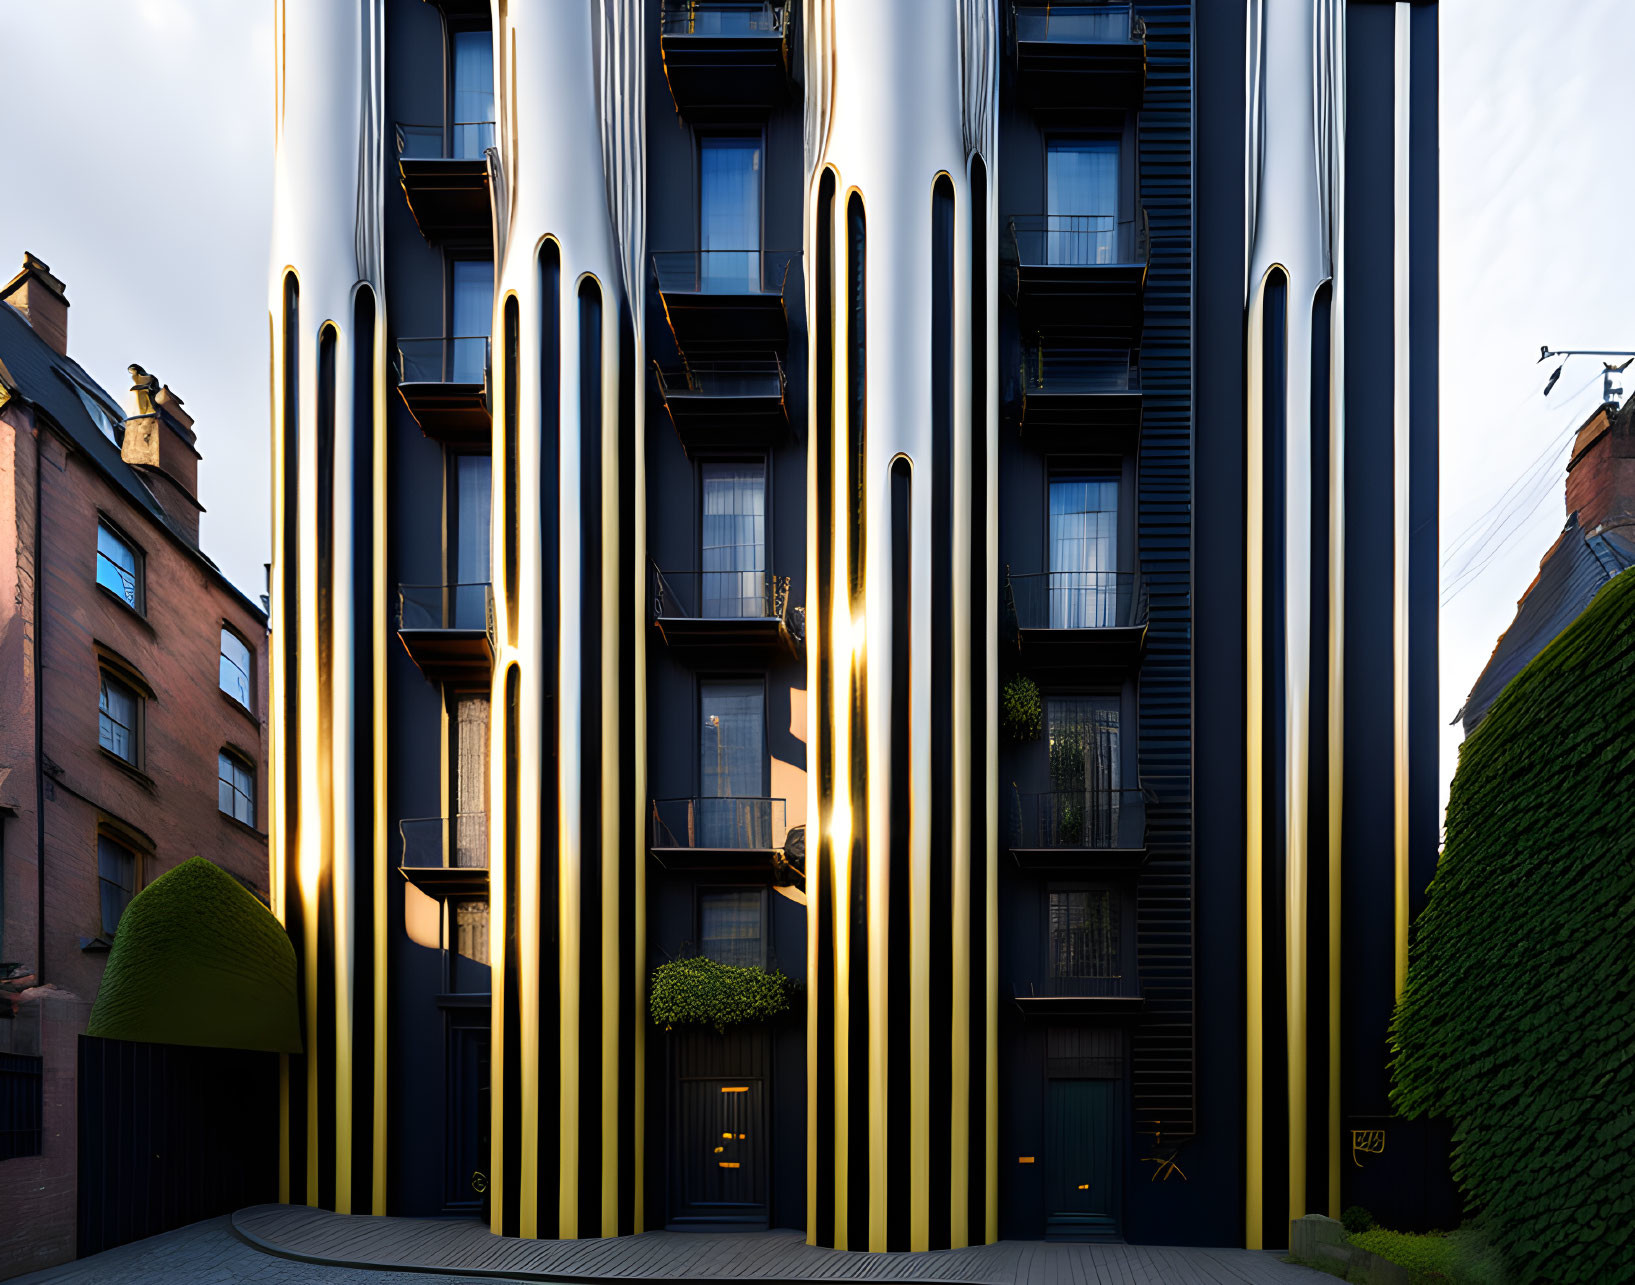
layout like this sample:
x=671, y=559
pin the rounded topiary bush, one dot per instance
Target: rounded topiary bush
x=1515, y=1022
x=702, y=992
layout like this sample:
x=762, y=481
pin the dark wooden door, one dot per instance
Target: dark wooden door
x=466, y=1177
x=1084, y=1160
x=719, y=1129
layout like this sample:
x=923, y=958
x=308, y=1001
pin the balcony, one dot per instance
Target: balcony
x=1079, y=831
x=1079, y=277
x=1086, y=399
x=448, y=630
x=725, y=53
x=726, y=403
x=1080, y=55
x=1087, y=621
x=444, y=383
x=446, y=856
x=444, y=170
x=719, y=834
x=725, y=303
x=745, y=613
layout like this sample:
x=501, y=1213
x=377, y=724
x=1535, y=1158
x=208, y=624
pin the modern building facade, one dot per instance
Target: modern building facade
x=132, y=727
x=934, y=498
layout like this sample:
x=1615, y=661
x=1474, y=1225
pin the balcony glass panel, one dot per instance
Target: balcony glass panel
x=722, y=18
x=1074, y=23
x=461, y=359
x=459, y=841
x=725, y=379
x=1080, y=370
x=466, y=607
x=465, y=140
x=730, y=823
x=722, y=272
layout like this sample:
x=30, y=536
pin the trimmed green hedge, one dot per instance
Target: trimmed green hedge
x=701, y=992
x=1516, y=1021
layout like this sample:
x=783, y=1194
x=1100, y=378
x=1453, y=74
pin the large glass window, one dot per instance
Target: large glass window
x=116, y=877
x=235, y=787
x=1084, y=936
x=1081, y=200
x=473, y=94
x=729, y=213
x=473, y=495
x=733, y=812
x=471, y=317
x=1083, y=537
x=733, y=556
x=1082, y=735
x=117, y=567
x=118, y=708
x=235, y=667
x=729, y=927
x=471, y=781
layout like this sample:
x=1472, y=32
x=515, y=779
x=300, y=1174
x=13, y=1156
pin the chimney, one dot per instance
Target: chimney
x=159, y=440
x=40, y=297
x=1601, y=471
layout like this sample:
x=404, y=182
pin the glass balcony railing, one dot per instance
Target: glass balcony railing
x=724, y=595
x=461, y=359
x=1075, y=600
x=742, y=823
x=1068, y=371
x=462, y=141
x=1083, y=817
x=1078, y=24
x=724, y=18
x=758, y=379
x=467, y=608
x=1078, y=240
x=722, y=272
x=459, y=841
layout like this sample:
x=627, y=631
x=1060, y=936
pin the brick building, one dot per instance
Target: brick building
x=132, y=720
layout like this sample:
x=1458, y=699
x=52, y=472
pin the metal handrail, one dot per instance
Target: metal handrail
x=447, y=606
x=1085, y=817
x=1080, y=370
x=1079, y=240
x=444, y=359
x=723, y=272
x=761, y=378
x=1108, y=23
x=1074, y=599
x=461, y=140
x=459, y=841
x=724, y=595
x=724, y=18
x=745, y=822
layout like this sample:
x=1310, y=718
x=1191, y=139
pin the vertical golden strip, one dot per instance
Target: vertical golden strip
x=612, y=712
x=1336, y=709
x=337, y=839
x=844, y=664
x=277, y=839
x=500, y=715
x=309, y=929
x=309, y=851
x=1254, y=781
x=817, y=724
x=377, y=625
x=1401, y=440
x=638, y=804
x=990, y=938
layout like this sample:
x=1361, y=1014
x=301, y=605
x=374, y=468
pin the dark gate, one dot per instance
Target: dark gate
x=170, y=1134
x=719, y=1143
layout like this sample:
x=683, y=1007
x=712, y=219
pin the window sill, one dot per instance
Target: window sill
x=129, y=769
x=111, y=596
x=95, y=945
x=240, y=825
x=243, y=710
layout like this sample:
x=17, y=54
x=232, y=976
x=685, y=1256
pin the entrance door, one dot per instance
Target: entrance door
x=466, y=1164
x=1084, y=1161
x=719, y=1144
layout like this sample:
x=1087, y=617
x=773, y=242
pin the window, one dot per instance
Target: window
x=730, y=928
x=116, y=874
x=235, y=667
x=472, y=498
x=471, y=781
x=729, y=214
x=473, y=95
x=22, y=1105
x=732, y=767
x=733, y=557
x=1081, y=200
x=235, y=787
x=118, y=570
x=1083, y=537
x=471, y=318
x=468, y=960
x=1084, y=937
x=1082, y=807
x=118, y=708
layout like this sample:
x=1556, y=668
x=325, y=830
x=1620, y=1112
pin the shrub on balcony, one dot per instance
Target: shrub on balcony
x=697, y=991
x=1021, y=710
x=1516, y=1017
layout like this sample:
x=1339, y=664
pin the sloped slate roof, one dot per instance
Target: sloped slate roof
x=1571, y=574
x=46, y=378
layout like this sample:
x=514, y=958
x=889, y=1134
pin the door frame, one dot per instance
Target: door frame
x=1125, y=1140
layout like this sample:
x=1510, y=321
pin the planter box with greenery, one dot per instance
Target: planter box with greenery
x=697, y=991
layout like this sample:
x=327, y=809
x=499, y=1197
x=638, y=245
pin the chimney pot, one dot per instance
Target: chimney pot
x=42, y=299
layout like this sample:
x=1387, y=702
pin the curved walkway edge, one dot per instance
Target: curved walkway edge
x=465, y=1248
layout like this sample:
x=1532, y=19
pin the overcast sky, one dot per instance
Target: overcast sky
x=140, y=170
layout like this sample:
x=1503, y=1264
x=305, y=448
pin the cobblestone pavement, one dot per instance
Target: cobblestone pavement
x=208, y=1253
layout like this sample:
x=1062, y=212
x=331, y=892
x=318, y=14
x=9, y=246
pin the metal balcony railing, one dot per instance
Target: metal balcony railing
x=724, y=18
x=1067, y=371
x=723, y=272
x=1075, y=600
x=761, y=379
x=468, y=608
x=1078, y=240
x=725, y=595
x=467, y=140
x=1079, y=24
x=733, y=823
x=459, y=841
x=1085, y=817
x=458, y=359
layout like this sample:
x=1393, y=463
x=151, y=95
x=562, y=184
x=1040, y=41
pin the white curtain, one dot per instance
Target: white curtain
x=729, y=214
x=733, y=566
x=1081, y=200
x=733, y=810
x=1084, y=588
x=473, y=94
